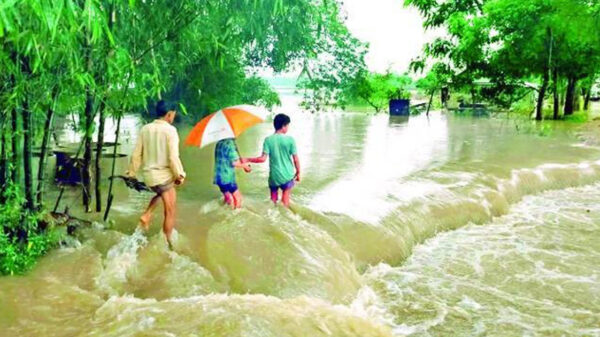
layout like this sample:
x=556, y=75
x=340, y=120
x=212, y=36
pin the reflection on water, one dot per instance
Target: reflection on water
x=491, y=254
x=375, y=185
x=398, y=120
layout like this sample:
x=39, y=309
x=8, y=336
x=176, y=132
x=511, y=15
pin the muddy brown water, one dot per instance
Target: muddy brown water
x=436, y=226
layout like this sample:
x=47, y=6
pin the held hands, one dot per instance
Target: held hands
x=245, y=164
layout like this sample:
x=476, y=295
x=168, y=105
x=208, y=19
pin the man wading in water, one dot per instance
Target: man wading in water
x=157, y=153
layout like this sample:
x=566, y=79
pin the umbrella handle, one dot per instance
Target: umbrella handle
x=237, y=150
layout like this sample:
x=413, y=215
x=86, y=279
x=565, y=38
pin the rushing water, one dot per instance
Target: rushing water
x=432, y=226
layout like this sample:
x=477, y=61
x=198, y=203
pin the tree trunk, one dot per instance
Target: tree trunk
x=570, y=96
x=555, y=93
x=87, y=153
x=430, y=100
x=577, y=98
x=540, y=103
x=88, y=124
x=588, y=97
x=16, y=153
x=99, y=146
x=445, y=95
x=539, y=115
x=44, y=149
x=114, y=165
x=102, y=116
x=27, y=156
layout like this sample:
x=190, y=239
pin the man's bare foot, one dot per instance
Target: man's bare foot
x=145, y=221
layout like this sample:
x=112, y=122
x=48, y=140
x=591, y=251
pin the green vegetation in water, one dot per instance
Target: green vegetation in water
x=542, y=129
x=22, y=239
x=580, y=117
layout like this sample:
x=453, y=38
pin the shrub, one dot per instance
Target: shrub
x=22, y=238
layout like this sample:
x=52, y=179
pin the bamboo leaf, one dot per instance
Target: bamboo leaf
x=183, y=109
x=109, y=35
x=59, y=13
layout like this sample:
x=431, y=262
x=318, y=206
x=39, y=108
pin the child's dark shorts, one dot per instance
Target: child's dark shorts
x=283, y=187
x=228, y=188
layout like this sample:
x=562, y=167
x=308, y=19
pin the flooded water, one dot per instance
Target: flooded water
x=438, y=226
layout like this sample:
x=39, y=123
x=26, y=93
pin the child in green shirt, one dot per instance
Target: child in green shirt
x=227, y=158
x=284, y=165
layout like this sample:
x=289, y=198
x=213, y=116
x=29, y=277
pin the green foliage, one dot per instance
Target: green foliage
x=370, y=89
x=335, y=63
x=524, y=107
x=22, y=240
x=514, y=45
x=378, y=89
x=258, y=91
x=581, y=117
x=431, y=82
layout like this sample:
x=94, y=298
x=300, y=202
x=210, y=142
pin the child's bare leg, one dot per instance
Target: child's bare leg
x=274, y=195
x=285, y=197
x=237, y=199
x=227, y=198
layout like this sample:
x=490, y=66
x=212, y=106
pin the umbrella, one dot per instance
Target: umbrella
x=133, y=183
x=225, y=123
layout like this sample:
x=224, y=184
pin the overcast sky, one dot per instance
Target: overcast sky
x=394, y=32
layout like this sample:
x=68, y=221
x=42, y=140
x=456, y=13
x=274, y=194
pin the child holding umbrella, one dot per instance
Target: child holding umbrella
x=227, y=159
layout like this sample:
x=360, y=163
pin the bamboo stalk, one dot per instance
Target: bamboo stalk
x=27, y=155
x=16, y=137
x=3, y=159
x=114, y=165
x=99, y=146
x=44, y=149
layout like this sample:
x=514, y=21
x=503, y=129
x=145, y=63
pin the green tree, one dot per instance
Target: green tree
x=377, y=90
x=512, y=43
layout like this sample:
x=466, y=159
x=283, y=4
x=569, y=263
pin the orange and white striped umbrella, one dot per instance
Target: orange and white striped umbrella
x=225, y=123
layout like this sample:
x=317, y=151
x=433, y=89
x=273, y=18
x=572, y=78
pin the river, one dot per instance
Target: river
x=435, y=226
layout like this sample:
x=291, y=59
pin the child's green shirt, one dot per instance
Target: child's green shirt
x=225, y=155
x=280, y=149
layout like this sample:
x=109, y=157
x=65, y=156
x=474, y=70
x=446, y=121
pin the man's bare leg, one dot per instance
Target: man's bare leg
x=285, y=197
x=275, y=196
x=147, y=216
x=237, y=199
x=169, y=201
